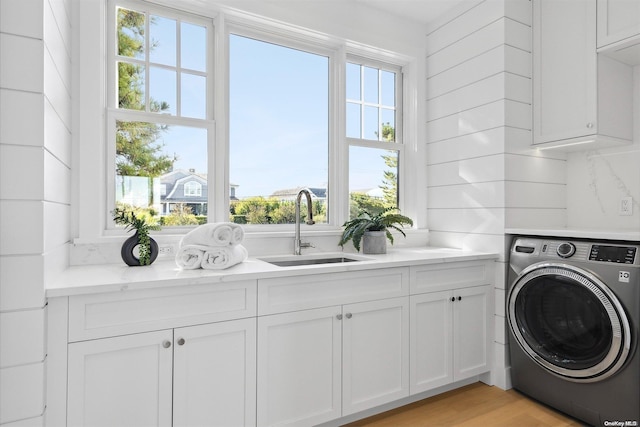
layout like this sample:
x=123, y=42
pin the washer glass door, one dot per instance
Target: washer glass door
x=569, y=322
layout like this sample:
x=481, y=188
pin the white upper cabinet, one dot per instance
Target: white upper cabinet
x=581, y=99
x=619, y=29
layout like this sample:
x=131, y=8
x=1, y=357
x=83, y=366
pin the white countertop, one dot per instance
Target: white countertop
x=626, y=235
x=92, y=279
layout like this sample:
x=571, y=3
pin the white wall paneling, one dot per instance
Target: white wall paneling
x=21, y=282
x=22, y=337
x=482, y=92
x=22, y=17
x=35, y=148
x=21, y=63
x=21, y=392
x=21, y=227
x=19, y=120
x=21, y=172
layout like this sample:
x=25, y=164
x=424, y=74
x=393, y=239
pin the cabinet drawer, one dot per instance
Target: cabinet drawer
x=104, y=315
x=440, y=277
x=278, y=295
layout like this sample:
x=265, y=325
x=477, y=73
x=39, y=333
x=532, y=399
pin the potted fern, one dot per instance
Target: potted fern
x=142, y=223
x=373, y=230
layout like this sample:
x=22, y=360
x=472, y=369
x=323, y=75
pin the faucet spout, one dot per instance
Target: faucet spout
x=298, y=245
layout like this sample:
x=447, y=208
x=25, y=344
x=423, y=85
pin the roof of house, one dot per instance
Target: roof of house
x=292, y=193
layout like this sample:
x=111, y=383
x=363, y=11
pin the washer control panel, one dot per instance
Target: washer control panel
x=576, y=250
x=619, y=254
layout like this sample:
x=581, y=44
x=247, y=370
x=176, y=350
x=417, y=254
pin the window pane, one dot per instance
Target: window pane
x=194, y=96
x=371, y=114
x=162, y=168
x=193, y=47
x=371, y=85
x=373, y=179
x=388, y=125
x=353, y=120
x=162, y=90
x=388, y=89
x=162, y=34
x=353, y=82
x=130, y=33
x=371, y=123
x=131, y=86
x=278, y=130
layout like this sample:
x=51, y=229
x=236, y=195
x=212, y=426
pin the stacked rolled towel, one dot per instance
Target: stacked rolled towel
x=213, y=246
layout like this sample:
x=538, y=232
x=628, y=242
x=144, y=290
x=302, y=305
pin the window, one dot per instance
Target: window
x=159, y=119
x=192, y=189
x=278, y=130
x=373, y=134
x=295, y=111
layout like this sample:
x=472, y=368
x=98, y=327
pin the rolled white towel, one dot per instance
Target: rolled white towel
x=237, y=234
x=219, y=258
x=190, y=257
x=214, y=234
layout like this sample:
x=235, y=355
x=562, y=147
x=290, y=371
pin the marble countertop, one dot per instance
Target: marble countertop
x=78, y=280
x=626, y=235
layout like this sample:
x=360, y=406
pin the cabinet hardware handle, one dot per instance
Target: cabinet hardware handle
x=459, y=298
x=339, y=316
x=589, y=125
x=181, y=341
x=453, y=299
x=349, y=315
x=166, y=343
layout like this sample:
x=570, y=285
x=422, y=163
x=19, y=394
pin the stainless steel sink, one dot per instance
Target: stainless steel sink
x=292, y=261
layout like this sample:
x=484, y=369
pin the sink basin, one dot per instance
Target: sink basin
x=292, y=261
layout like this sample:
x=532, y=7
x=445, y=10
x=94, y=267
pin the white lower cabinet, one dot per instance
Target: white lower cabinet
x=123, y=381
x=375, y=354
x=191, y=376
x=320, y=364
x=296, y=350
x=449, y=336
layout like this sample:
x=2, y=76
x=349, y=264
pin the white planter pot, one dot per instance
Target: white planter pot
x=374, y=242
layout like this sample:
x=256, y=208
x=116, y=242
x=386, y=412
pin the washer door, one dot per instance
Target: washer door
x=569, y=322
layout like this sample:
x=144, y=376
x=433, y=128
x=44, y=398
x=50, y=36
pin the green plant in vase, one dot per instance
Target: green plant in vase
x=142, y=223
x=356, y=229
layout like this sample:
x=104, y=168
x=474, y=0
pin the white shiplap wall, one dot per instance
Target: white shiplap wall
x=35, y=158
x=483, y=177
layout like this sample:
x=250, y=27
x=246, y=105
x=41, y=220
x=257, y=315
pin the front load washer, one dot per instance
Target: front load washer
x=573, y=313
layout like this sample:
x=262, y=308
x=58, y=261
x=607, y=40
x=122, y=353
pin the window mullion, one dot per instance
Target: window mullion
x=147, y=73
x=178, y=68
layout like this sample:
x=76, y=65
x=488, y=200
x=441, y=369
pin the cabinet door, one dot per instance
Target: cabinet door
x=617, y=20
x=121, y=381
x=472, y=318
x=565, y=70
x=299, y=367
x=431, y=341
x=214, y=374
x=375, y=352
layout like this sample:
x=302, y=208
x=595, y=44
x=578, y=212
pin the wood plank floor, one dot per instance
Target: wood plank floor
x=476, y=405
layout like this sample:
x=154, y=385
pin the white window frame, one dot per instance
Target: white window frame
x=115, y=114
x=285, y=37
x=93, y=172
x=398, y=144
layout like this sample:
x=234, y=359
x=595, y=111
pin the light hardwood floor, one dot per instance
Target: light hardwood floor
x=476, y=405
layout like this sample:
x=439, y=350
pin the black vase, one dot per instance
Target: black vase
x=130, y=244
